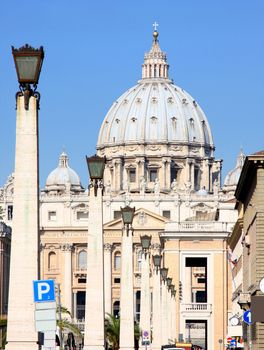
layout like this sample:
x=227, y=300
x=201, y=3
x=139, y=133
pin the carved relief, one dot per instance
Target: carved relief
x=175, y=148
x=153, y=147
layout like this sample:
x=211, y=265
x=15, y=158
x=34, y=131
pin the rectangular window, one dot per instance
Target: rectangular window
x=52, y=215
x=117, y=280
x=10, y=212
x=166, y=214
x=153, y=174
x=81, y=280
x=117, y=214
x=132, y=175
x=82, y=215
x=174, y=173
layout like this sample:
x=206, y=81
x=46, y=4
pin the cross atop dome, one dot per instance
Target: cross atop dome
x=155, y=25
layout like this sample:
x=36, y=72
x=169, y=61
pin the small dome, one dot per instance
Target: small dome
x=231, y=179
x=63, y=177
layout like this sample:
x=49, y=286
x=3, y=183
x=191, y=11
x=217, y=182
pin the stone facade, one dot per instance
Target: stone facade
x=159, y=159
x=248, y=238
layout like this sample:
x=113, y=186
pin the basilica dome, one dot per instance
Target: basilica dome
x=156, y=133
x=63, y=177
x=155, y=110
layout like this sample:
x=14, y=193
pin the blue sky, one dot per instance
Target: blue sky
x=94, y=51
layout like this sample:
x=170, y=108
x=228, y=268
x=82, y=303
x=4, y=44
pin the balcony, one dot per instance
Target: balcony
x=196, y=307
x=197, y=228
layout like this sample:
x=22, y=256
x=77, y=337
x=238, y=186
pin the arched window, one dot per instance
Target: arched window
x=82, y=260
x=52, y=261
x=117, y=261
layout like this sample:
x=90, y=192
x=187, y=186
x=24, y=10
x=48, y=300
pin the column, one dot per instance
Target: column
x=126, y=338
x=144, y=298
x=75, y=305
x=21, y=332
x=67, y=249
x=94, y=338
x=164, y=312
x=169, y=315
x=187, y=292
x=156, y=311
x=173, y=317
x=108, y=277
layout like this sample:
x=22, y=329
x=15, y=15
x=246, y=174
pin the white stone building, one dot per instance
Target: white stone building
x=160, y=159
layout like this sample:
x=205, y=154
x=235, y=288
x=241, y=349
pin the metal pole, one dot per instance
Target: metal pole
x=59, y=307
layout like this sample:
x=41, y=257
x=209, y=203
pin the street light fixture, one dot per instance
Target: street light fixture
x=24, y=267
x=94, y=333
x=145, y=243
x=169, y=281
x=96, y=166
x=127, y=216
x=28, y=62
x=157, y=261
x=164, y=273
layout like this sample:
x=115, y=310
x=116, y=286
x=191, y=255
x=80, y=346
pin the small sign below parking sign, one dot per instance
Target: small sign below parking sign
x=44, y=290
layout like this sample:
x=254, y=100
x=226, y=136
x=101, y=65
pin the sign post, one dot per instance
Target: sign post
x=45, y=311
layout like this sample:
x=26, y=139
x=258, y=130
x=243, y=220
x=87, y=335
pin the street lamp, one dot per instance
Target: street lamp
x=126, y=334
x=96, y=166
x=164, y=273
x=24, y=269
x=169, y=282
x=157, y=261
x=145, y=292
x=94, y=334
x=28, y=62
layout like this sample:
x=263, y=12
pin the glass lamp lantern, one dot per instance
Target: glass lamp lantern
x=96, y=166
x=28, y=62
x=145, y=242
x=127, y=215
x=157, y=260
x=164, y=273
x=169, y=281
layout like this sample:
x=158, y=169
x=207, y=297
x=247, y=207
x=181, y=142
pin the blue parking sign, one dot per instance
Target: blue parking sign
x=44, y=290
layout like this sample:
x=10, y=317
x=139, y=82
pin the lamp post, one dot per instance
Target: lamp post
x=126, y=336
x=164, y=306
x=145, y=293
x=94, y=335
x=156, y=309
x=24, y=267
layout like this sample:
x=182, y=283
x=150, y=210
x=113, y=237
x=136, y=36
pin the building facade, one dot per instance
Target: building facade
x=247, y=242
x=160, y=159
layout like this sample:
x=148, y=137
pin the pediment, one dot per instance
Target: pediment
x=201, y=206
x=143, y=219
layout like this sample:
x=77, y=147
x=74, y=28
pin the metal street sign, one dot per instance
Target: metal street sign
x=45, y=315
x=247, y=317
x=46, y=325
x=44, y=290
x=233, y=343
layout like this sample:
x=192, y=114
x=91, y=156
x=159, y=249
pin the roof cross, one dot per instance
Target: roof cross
x=155, y=25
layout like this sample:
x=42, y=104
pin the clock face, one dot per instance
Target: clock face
x=261, y=285
x=234, y=321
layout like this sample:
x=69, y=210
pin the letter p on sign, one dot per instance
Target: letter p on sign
x=44, y=290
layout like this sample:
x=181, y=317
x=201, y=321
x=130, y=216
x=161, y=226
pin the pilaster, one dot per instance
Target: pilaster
x=108, y=277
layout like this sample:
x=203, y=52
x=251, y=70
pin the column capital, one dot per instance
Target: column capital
x=67, y=247
x=156, y=247
x=108, y=247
